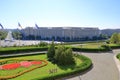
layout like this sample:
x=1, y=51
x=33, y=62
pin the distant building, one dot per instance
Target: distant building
x=61, y=33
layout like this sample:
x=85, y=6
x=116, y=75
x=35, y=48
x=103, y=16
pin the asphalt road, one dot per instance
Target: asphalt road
x=104, y=68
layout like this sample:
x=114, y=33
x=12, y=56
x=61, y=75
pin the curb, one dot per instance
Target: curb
x=117, y=64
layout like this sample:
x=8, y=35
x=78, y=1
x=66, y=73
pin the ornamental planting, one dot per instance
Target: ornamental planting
x=25, y=64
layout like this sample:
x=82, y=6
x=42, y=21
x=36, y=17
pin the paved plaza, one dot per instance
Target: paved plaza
x=18, y=43
x=4, y=43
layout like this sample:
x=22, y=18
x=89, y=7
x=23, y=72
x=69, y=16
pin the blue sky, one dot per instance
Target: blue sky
x=52, y=13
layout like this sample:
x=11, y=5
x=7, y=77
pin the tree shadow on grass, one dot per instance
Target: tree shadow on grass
x=66, y=67
x=77, y=74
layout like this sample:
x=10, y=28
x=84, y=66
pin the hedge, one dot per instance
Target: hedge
x=114, y=46
x=21, y=50
x=87, y=63
x=101, y=49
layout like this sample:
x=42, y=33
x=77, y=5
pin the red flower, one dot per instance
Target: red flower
x=17, y=65
x=36, y=62
x=0, y=67
x=10, y=66
x=25, y=63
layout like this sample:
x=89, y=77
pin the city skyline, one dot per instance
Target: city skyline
x=59, y=13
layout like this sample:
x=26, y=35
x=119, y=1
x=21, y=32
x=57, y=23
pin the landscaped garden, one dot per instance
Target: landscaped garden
x=55, y=64
x=35, y=67
x=58, y=62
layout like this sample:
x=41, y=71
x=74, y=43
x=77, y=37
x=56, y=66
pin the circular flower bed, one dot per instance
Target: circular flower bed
x=20, y=64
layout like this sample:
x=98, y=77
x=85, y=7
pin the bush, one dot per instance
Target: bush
x=106, y=47
x=42, y=44
x=51, y=52
x=64, y=56
x=115, y=38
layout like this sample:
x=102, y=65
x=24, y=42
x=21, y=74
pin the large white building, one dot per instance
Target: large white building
x=65, y=33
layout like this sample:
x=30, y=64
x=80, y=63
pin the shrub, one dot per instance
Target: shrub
x=106, y=47
x=115, y=38
x=64, y=56
x=42, y=44
x=51, y=52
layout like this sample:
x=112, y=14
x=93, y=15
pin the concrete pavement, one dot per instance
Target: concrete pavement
x=4, y=43
x=116, y=60
x=25, y=53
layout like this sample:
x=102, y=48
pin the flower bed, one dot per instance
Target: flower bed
x=20, y=64
x=26, y=65
x=36, y=62
x=10, y=66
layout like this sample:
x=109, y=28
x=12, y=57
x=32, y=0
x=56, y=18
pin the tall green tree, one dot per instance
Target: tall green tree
x=64, y=56
x=51, y=52
x=115, y=38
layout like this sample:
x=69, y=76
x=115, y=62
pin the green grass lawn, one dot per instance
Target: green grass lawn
x=40, y=72
x=88, y=45
x=13, y=48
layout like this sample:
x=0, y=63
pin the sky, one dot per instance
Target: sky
x=60, y=13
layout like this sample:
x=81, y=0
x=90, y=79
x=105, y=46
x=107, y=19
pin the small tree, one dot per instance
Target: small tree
x=64, y=56
x=58, y=53
x=51, y=52
x=115, y=38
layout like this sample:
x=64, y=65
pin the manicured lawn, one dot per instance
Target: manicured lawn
x=41, y=72
x=89, y=45
x=14, y=48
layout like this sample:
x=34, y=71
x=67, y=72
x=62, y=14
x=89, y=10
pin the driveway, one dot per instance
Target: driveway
x=104, y=67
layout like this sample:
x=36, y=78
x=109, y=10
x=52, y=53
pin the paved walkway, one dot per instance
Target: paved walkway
x=104, y=67
x=18, y=54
